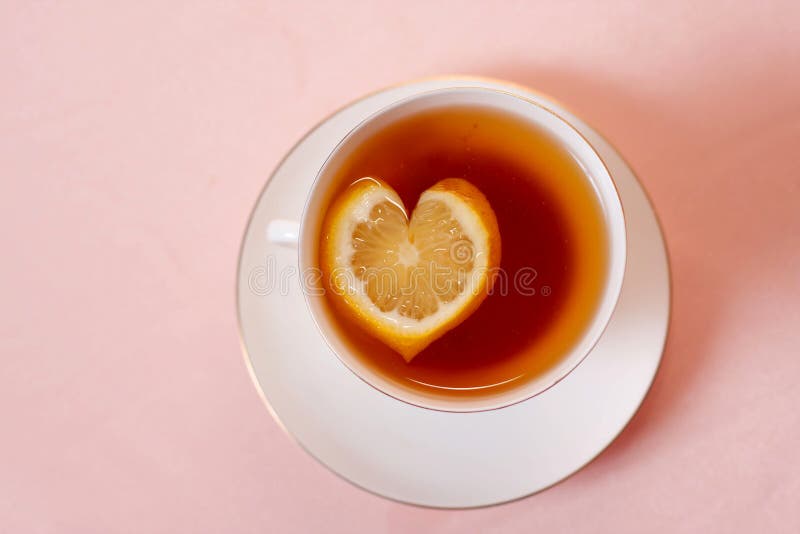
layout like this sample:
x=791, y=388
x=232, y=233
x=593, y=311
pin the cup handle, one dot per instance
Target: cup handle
x=283, y=232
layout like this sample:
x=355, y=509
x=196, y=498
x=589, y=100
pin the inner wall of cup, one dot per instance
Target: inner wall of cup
x=321, y=196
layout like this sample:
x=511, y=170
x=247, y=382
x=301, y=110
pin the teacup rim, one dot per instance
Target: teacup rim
x=529, y=393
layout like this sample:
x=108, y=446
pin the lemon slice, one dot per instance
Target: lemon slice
x=407, y=281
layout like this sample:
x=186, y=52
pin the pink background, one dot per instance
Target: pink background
x=134, y=140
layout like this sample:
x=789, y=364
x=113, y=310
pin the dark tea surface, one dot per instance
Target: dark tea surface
x=553, y=247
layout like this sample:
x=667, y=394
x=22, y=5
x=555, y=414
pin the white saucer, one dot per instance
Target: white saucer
x=421, y=456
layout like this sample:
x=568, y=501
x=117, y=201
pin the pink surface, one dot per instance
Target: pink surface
x=134, y=140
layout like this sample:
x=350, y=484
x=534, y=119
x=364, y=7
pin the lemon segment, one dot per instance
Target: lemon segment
x=407, y=281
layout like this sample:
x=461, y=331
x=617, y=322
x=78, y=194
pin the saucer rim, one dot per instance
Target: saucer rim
x=514, y=88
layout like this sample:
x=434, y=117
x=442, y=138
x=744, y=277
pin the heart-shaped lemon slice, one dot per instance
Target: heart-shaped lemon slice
x=407, y=281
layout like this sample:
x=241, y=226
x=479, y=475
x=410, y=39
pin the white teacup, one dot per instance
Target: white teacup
x=306, y=237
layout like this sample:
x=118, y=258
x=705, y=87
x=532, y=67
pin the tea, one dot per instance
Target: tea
x=553, y=247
